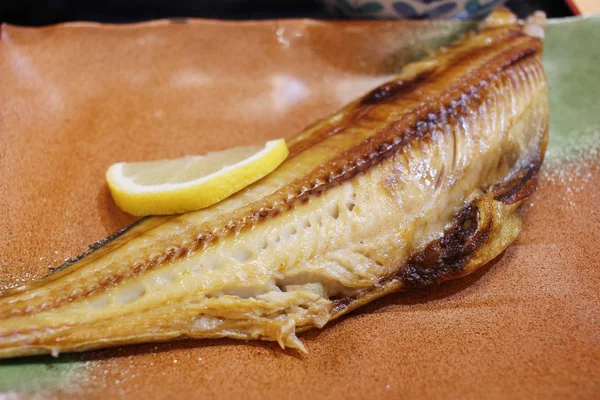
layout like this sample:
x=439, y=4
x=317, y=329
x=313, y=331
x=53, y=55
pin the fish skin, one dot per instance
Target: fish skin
x=417, y=182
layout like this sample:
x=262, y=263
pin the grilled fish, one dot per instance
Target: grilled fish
x=414, y=183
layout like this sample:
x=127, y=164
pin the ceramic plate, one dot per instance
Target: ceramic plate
x=78, y=97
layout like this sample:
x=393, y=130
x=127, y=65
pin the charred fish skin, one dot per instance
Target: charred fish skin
x=415, y=183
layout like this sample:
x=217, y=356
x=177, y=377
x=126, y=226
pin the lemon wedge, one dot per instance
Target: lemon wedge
x=193, y=182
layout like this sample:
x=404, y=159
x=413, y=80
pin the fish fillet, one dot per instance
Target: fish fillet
x=414, y=183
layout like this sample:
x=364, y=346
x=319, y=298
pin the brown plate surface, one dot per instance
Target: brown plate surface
x=78, y=97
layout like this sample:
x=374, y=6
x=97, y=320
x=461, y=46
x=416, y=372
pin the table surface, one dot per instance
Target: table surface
x=41, y=12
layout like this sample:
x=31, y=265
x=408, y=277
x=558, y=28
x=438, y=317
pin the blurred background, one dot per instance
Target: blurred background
x=43, y=12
